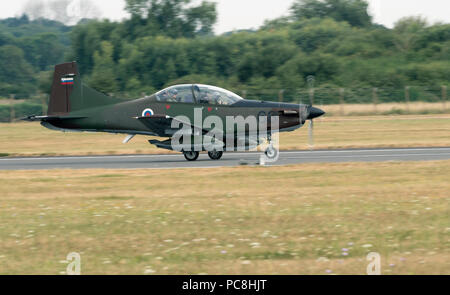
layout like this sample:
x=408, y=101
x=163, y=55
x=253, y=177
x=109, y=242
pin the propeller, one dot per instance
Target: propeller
x=313, y=113
x=311, y=134
x=309, y=113
x=310, y=80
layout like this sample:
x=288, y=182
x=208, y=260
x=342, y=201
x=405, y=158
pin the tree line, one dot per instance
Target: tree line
x=28, y=49
x=166, y=42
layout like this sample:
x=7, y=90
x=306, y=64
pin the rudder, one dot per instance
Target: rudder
x=62, y=88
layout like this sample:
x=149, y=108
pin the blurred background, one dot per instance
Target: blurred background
x=361, y=57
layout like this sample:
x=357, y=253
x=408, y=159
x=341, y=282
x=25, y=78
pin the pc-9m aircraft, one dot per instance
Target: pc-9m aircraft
x=74, y=106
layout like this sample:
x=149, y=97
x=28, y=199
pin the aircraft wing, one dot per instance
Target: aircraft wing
x=157, y=121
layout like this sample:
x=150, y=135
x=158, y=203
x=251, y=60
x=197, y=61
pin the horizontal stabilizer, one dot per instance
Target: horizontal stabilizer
x=49, y=118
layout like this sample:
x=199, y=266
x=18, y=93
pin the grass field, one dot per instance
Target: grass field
x=414, y=108
x=306, y=219
x=30, y=139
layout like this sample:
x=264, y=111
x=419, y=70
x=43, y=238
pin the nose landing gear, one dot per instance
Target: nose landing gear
x=271, y=152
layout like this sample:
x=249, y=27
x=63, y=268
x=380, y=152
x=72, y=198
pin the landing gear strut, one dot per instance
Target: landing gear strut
x=191, y=156
x=271, y=152
x=215, y=155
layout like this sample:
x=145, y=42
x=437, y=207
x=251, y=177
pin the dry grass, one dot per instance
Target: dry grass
x=280, y=220
x=30, y=139
x=418, y=108
x=10, y=101
x=373, y=132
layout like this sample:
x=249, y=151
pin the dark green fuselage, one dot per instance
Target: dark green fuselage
x=122, y=117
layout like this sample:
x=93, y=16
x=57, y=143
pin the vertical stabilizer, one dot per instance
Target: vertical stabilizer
x=65, y=80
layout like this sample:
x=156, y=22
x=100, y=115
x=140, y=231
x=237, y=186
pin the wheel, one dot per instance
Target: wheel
x=215, y=155
x=191, y=156
x=271, y=152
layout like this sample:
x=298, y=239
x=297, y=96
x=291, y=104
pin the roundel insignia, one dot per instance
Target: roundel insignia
x=147, y=113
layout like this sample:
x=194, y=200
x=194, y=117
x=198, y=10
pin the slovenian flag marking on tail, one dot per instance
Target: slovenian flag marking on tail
x=67, y=81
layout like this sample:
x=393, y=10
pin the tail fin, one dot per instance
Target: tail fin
x=62, y=87
x=69, y=94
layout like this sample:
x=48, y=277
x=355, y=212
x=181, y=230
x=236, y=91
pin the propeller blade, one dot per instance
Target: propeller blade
x=311, y=134
x=303, y=114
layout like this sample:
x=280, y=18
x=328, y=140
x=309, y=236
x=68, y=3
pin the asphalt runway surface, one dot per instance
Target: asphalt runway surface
x=228, y=160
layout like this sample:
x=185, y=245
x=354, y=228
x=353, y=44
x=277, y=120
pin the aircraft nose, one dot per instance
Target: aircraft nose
x=315, y=113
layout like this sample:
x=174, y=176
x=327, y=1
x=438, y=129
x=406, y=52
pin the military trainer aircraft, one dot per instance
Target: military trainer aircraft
x=73, y=106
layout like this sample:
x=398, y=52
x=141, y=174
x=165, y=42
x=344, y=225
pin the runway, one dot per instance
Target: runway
x=228, y=160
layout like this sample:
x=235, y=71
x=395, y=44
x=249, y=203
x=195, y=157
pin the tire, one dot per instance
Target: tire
x=191, y=156
x=215, y=155
x=271, y=153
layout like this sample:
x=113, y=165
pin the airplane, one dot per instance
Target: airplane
x=75, y=107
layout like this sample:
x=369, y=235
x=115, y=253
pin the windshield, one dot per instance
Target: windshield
x=204, y=94
x=214, y=95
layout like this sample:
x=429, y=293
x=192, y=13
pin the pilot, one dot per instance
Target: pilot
x=205, y=97
x=173, y=93
x=163, y=96
x=218, y=98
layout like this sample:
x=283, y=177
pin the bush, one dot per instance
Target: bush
x=21, y=110
x=5, y=111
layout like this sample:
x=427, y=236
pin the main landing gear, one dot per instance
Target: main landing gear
x=215, y=155
x=193, y=156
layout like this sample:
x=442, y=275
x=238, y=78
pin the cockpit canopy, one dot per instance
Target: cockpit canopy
x=203, y=94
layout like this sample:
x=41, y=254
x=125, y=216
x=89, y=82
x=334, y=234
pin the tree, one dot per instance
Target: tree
x=103, y=77
x=323, y=67
x=201, y=19
x=43, y=50
x=173, y=18
x=355, y=12
x=407, y=31
x=16, y=75
x=315, y=33
x=86, y=39
x=45, y=80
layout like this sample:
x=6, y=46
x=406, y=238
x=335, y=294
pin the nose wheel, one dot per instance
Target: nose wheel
x=191, y=156
x=215, y=155
x=271, y=152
